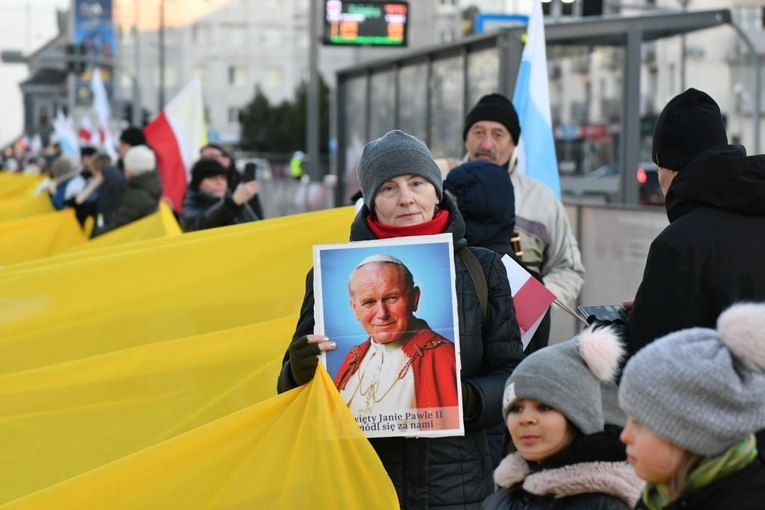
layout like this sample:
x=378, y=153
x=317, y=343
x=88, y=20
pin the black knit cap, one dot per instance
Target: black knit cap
x=87, y=151
x=133, y=136
x=203, y=169
x=497, y=108
x=690, y=124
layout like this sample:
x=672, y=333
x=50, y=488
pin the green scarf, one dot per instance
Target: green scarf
x=735, y=458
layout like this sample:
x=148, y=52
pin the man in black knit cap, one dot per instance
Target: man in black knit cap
x=548, y=245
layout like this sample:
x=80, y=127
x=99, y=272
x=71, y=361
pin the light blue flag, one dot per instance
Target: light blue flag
x=536, y=148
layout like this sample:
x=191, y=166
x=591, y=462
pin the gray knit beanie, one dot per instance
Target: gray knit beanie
x=393, y=155
x=701, y=389
x=567, y=377
x=139, y=160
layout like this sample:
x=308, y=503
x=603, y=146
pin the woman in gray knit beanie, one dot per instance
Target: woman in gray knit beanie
x=695, y=399
x=402, y=190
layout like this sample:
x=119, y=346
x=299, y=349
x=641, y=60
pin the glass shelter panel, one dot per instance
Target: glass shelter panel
x=447, y=115
x=382, y=111
x=483, y=74
x=413, y=94
x=355, y=113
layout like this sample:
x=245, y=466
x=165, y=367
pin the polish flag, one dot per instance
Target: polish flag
x=87, y=135
x=531, y=298
x=177, y=135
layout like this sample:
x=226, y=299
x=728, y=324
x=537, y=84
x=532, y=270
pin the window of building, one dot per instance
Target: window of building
x=202, y=73
x=273, y=77
x=237, y=76
x=201, y=34
x=43, y=117
x=171, y=77
x=236, y=35
x=749, y=17
x=233, y=115
x=126, y=77
x=273, y=37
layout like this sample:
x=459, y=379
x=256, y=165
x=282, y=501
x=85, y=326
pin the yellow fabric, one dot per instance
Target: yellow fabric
x=158, y=225
x=143, y=375
x=14, y=185
x=76, y=305
x=39, y=236
x=24, y=207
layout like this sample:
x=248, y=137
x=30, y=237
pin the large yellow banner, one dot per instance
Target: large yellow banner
x=143, y=374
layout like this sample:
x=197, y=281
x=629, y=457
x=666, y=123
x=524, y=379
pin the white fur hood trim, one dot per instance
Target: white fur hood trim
x=614, y=478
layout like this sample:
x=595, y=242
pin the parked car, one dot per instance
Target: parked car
x=648, y=178
x=604, y=182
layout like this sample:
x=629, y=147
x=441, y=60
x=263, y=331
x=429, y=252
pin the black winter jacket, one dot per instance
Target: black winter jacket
x=742, y=490
x=712, y=254
x=449, y=472
x=202, y=210
x=591, y=474
x=486, y=200
x=140, y=198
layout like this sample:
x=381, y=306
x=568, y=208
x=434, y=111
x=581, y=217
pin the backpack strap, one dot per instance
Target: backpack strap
x=479, y=279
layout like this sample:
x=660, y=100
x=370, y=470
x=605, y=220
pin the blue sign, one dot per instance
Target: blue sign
x=567, y=132
x=487, y=22
x=94, y=31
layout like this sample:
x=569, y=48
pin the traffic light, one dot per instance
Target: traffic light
x=75, y=58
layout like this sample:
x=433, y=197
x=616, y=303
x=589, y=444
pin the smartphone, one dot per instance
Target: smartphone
x=604, y=312
x=250, y=172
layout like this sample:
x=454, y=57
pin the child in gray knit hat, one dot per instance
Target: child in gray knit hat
x=563, y=458
x=694, y=399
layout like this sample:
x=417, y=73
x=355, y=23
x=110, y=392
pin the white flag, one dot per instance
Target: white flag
x=103, y=112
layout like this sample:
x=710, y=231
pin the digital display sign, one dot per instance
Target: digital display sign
x=365, y=23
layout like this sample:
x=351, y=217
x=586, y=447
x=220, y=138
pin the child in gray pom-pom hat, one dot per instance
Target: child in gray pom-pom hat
x=564, y=458
x=694, y=399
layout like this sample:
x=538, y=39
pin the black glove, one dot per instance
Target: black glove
x=303, y=360
x=470, y=402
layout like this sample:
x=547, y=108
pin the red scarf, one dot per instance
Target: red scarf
x=435, y=226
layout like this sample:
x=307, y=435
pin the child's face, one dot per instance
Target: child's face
x=538, y=431
x=653, y=458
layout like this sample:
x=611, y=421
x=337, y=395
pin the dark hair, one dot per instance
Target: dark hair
x=133, y=136
x=87, y=151
x=216, y=147
x=101, y=160
x=203, y=169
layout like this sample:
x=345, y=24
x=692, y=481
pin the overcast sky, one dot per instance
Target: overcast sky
x=24, y=25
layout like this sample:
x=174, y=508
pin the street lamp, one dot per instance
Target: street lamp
x=684, y=6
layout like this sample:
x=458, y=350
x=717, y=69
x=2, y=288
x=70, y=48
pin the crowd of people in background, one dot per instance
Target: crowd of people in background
x=106, y=194
x=664, y=410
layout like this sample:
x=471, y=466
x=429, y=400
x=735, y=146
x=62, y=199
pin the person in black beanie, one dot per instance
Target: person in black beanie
x=711, y=254
x=233, y=177
x=130, y=137
x=491, y=133
x=209, y=203
x=483, y=193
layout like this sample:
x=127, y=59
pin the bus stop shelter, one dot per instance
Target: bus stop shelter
x=428, y=92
